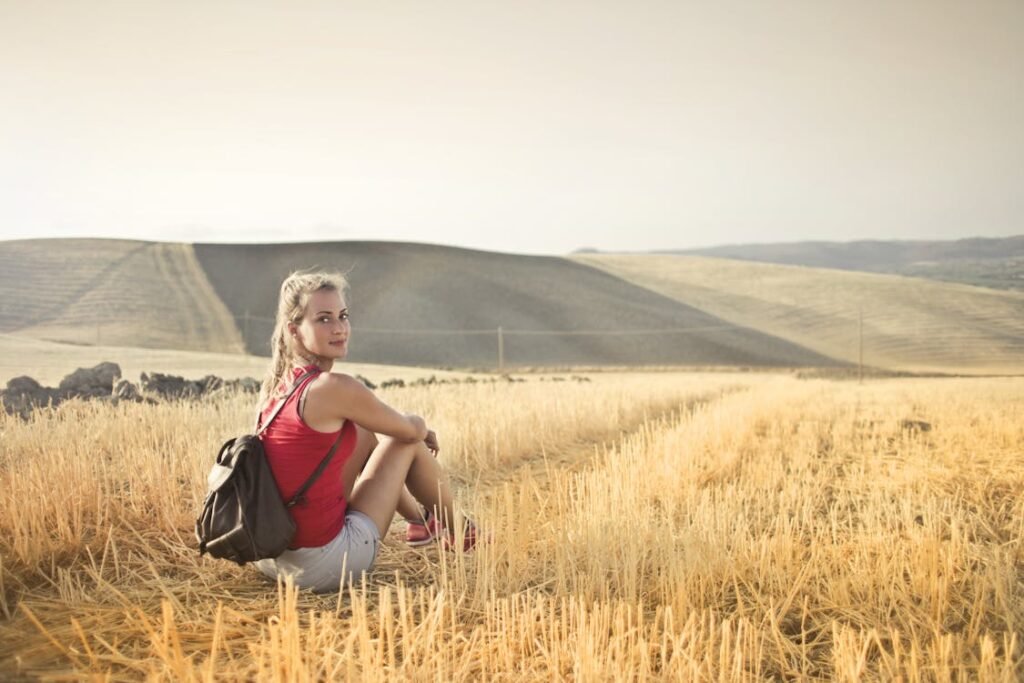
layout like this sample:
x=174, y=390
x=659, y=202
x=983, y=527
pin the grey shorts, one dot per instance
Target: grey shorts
x=319, y=569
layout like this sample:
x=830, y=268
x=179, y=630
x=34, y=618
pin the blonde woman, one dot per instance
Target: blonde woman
x=385, y=461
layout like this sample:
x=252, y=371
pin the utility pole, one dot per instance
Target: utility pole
x=860, y=344
x=501, y=350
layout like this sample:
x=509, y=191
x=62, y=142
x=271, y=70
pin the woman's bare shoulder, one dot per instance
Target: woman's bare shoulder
x=339, y=385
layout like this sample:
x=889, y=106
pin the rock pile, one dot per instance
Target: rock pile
x=104, y=382
x=172, y=386
x=24, y=394
x=398, y=383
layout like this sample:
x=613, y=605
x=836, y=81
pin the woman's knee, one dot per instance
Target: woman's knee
x=391, y=450
x=390, y=443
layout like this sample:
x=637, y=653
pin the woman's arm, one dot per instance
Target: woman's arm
x=347, y=398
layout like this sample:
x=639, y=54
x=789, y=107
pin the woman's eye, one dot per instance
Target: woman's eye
x=344, y=316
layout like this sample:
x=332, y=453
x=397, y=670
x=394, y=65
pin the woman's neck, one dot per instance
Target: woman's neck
x=324, y=364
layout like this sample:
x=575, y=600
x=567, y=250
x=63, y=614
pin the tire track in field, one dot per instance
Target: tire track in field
x=541, y=467
x=539, y=472
x=577, y=456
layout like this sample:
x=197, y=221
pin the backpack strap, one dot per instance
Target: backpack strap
x=280, y=406
x=297, y=498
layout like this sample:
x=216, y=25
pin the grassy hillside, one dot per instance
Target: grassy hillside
x=1004, y=273
x=432, y=305
x=909, y=323
x=119, y=292
x=986, y=262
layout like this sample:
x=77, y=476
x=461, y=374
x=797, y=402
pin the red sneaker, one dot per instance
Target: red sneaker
x=422, y=533
x=470, y=537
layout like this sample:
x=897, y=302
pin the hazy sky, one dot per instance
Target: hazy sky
x=515, y=126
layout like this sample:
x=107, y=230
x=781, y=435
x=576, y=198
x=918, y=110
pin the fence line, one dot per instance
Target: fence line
x=858, y=336
x=861, y=340
x=556, y=333
x=855, y=320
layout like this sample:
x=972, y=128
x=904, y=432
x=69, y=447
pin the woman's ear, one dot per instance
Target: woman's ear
x=293, y=330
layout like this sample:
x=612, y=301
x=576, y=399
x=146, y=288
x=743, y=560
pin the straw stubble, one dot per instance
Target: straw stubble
x=645, y=526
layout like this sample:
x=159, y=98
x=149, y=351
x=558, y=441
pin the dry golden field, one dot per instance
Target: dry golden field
x=646, y=527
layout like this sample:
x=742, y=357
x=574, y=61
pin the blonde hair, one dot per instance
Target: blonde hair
x=291, y=307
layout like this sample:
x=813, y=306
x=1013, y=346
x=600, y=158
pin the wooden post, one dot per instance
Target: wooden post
x=501, y=350
x=860, y=345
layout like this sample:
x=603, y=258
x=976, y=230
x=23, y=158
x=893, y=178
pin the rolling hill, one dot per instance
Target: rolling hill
x=413, y=305
x=908, y=323
x=416, y=304
x=986, y=262
x=441, y=306
x=94, y=291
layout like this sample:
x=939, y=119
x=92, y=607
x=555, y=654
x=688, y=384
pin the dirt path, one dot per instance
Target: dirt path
x=210, y=322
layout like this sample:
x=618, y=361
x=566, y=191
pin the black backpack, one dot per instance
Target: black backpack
x=244, y=518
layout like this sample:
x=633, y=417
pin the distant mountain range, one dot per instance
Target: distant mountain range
x=987, y=262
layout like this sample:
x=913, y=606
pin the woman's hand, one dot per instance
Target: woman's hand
x=431, y=442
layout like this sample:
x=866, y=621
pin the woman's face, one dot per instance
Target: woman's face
x=324, y=329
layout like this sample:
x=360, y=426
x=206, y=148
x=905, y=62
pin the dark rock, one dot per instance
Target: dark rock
x=246, y=384
x=126, y=391
x=23, y=394
x=24, y=385
x=171, y=386
x=211, y=383
x=104, y=382
x=95, y=382
x=915, y=425
x=367, y=383
x=388, y=383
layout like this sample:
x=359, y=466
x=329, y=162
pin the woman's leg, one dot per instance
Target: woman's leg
x=392, y=466
x=366, y=442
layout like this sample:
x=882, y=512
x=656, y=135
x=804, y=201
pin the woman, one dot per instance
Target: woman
x=350, y=507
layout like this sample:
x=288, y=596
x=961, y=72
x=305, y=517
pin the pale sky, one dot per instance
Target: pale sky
x=533, y=127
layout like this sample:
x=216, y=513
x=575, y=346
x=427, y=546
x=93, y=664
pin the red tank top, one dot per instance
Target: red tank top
x=294, y=449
